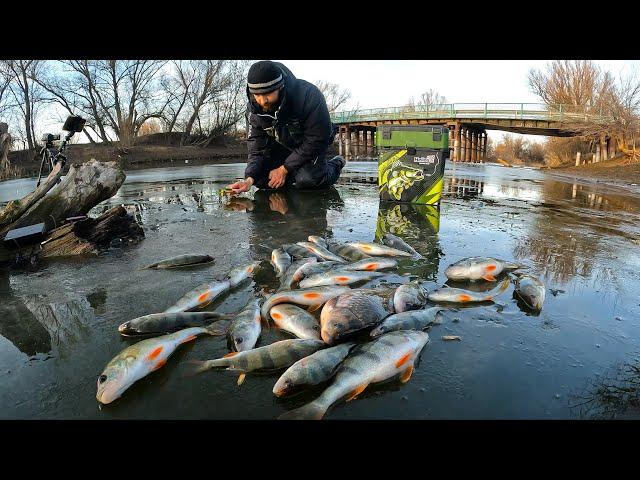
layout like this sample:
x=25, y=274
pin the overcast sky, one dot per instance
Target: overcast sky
x=390, y=83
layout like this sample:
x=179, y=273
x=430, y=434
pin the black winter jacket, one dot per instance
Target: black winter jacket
x=301, y=124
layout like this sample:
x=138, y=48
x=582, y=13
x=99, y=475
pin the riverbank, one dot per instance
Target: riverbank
x=612, y=172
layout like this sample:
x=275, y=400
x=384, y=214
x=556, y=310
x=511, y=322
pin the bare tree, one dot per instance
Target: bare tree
x=26, y=93
x=431, y=99
x=333, y=94
x=6, y=77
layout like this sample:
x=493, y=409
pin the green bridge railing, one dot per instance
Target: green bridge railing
x=489, y=111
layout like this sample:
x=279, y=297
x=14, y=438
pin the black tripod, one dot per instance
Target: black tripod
x=73, y=124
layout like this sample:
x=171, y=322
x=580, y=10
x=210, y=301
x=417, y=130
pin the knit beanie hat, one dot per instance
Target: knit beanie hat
x=264, y=77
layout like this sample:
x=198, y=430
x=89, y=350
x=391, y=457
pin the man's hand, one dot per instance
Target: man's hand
x=277, y=177
x=242, y=186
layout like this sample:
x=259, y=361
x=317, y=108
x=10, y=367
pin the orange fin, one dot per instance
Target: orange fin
x=155, y=353
x=188, y=339
x=160, y=364
x=370, y=267
x=464, y=298
x=403, y=360
x=491, y=268
x=315, y=307
x=230, y=354
x=342, y=279
x=357, y=392
x=241, y=378
x=488, y=277
x=406, y=375
x=311, y=295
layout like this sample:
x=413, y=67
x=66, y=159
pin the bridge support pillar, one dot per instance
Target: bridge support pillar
x=604, y=151
x=451, y=141
x=456, y=143
x=596, y=156
x=463, y=144
x=347, y=142
x=474, y=146
x=467, y=145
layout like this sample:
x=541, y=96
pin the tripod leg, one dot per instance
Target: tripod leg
x=42, y=162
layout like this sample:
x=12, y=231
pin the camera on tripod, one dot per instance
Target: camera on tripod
x=49, y=139
x=74, y=124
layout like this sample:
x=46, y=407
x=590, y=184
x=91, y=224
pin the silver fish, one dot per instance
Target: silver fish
x=347, y=252
x=138, y=360
x=318, y=240
x=410, y=320
x=280, y=260
x=295, y=272
x=208, y=292
x=275, y=356
x=372, y=264
x=385, y=357
x=296, y=251
x=458, y=295
x=338, y=277
x=295, y=320
x=410, y=296
x=312, y=370
x=245, y=329
x=478, y=268
x=182, y=261
x=531, y=291
x=321, y=251
x=162, y=323
x=390, y=240
x=311, y=297
x=378, y=250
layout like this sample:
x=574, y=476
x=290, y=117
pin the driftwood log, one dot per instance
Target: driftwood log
x=82, y=188
x=92, y=234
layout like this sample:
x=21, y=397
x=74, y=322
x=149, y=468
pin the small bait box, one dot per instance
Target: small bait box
x=411, y=160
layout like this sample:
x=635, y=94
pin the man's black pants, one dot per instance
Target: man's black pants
x=320, y=173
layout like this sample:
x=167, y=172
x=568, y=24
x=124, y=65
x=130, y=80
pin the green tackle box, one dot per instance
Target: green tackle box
x=411, y=161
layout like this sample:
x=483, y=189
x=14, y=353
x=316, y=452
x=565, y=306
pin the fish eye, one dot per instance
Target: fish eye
x=316, y=327
x=102, y=378
x=239, y=340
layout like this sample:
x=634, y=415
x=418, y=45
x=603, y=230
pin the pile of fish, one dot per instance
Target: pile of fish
x=348, y=334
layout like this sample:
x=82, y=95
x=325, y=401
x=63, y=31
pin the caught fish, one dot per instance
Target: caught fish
x=410, y=296
x=208, y=292
x=372, y=264
x=318, y=240
x=478, y=268
x=458, y=295
x=385, y=357
x=319, y=267
x=378, y=250
x=140, y=359
x=296, y=251
x=311, y=297
x=390, y=240
x=162, y=323
x=531, y=291
x=245, y=329
x=295, y=272
x=321, y=252
x=312, y=370
x=275, y=356
x=347, y=252
x=182, y=261
x=354, y=311
x=295, y=320
x=410, y=320
x=280, y=260
x=338, y=277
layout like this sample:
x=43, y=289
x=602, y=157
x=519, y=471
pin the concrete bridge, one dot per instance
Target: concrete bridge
x=468, y=124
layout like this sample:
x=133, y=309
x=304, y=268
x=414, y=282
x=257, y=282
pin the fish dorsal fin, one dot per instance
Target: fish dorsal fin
x=230, y=354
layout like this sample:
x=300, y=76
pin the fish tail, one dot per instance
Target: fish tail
x=195, y=367
x=501, y=288
x=311, y=411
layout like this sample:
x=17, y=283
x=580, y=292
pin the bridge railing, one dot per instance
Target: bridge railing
x=511, y=111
